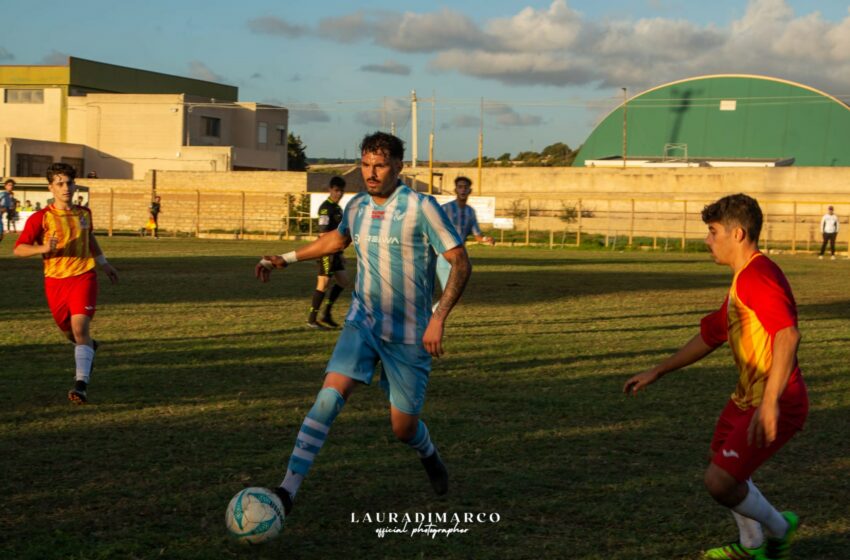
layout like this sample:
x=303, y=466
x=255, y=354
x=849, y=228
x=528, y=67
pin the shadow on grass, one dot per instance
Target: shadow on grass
x=171, y=280
x=574, y=468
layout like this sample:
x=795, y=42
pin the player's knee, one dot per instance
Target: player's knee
x=404, y=431
x=721, y=488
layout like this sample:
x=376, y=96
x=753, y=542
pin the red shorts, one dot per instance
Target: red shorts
x=729, y=444
x=75, y=295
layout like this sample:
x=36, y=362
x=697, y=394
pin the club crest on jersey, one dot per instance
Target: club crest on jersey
x=377, y=214
x=398, y=216
x=84, y=222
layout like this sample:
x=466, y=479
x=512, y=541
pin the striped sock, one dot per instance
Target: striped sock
x=421, y=442
x=311, y=437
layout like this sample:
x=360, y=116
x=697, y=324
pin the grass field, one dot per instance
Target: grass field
x=204, y=376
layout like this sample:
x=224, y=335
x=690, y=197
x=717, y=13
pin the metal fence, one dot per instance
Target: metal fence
x=649, y=223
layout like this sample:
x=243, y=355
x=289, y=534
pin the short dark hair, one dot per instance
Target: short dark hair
x=7, y=181
x=383, y=143
x=337, y=181
x=61, y=169
x=460, y=178
x=736, y=209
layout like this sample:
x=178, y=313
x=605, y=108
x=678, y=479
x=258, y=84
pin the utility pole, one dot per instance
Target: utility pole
x=431, y=143
x=414, y=129
x=384, y=114
x=625, y=109
x=480, y=147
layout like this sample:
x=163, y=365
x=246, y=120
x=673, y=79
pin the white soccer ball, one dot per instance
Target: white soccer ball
x=254, y=515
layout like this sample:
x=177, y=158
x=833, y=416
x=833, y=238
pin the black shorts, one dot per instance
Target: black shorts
x=330, y=264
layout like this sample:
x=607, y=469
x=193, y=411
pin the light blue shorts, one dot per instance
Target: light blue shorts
x=406, y=367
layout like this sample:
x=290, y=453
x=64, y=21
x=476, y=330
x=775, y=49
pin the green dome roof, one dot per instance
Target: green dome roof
x=728, y=117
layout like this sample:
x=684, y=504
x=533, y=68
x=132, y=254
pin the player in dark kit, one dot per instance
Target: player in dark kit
x=759, y=321
x=331, y=267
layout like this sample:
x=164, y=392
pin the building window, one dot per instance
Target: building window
x=32, y=165
x=281, y=136
x=77, y=163
x=212, y=126
x=24, y=96
x=262, y=133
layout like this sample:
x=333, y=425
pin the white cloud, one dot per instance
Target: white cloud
x=388, y=67
x=310, y=113
x=462, y=121
x=55, y=58
x=557, y=45
x=507, y=116
x=201, y=71
x=392, y=110
x=271, y=25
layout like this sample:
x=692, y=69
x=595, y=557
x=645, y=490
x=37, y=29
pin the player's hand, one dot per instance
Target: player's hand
x=433, y=337
x=640, y=381
x=489, y=240
x=263, y=270
x=51, y=245
x=762, y=430
x=111, y=272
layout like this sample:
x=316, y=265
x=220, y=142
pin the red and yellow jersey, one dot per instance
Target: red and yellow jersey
x=72, y=229
x=759, y=305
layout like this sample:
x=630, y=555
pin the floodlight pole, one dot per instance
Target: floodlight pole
x=625, y=112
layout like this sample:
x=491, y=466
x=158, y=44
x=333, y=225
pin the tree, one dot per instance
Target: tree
x=297, y=153
x=558, y=152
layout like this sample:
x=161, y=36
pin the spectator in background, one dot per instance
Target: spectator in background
x=829, y=229
x=80, y=202
x=154, y=210
x=37, y=206
x=8, y=204
x=91, y=175
x=27, y=207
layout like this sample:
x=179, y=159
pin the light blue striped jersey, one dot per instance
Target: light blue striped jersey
x=463, y=219
x=396, y=244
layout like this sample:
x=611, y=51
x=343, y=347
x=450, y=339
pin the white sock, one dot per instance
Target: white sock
x=749, y=531
x=292, y=482
x=756, y=507
x=84, y=356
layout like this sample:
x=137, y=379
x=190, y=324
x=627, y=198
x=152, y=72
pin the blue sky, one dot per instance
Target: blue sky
x=548, y=70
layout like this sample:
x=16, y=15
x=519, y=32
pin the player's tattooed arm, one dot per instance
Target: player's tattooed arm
x=458, y=277
x=455, y=285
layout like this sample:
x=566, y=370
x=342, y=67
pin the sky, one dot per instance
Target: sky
x=540, y=72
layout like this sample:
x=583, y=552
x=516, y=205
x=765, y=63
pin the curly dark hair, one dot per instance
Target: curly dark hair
x=736, y=210
x=383, y=143
x=61, y=169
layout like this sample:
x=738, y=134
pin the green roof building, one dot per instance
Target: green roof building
x=729, y=118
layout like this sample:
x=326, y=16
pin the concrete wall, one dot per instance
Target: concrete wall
x=639, y=203
x=196, y=201
x=658, y=202
x=39, y=121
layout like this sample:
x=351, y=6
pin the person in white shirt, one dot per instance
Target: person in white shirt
x=829, y=228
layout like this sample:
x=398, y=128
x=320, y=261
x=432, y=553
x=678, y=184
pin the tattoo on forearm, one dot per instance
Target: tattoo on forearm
x=455, y=285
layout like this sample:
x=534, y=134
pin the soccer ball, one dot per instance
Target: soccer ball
x=254, y=515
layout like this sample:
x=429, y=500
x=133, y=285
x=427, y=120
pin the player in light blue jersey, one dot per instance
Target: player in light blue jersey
x=397, y=234
x=465, y=222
